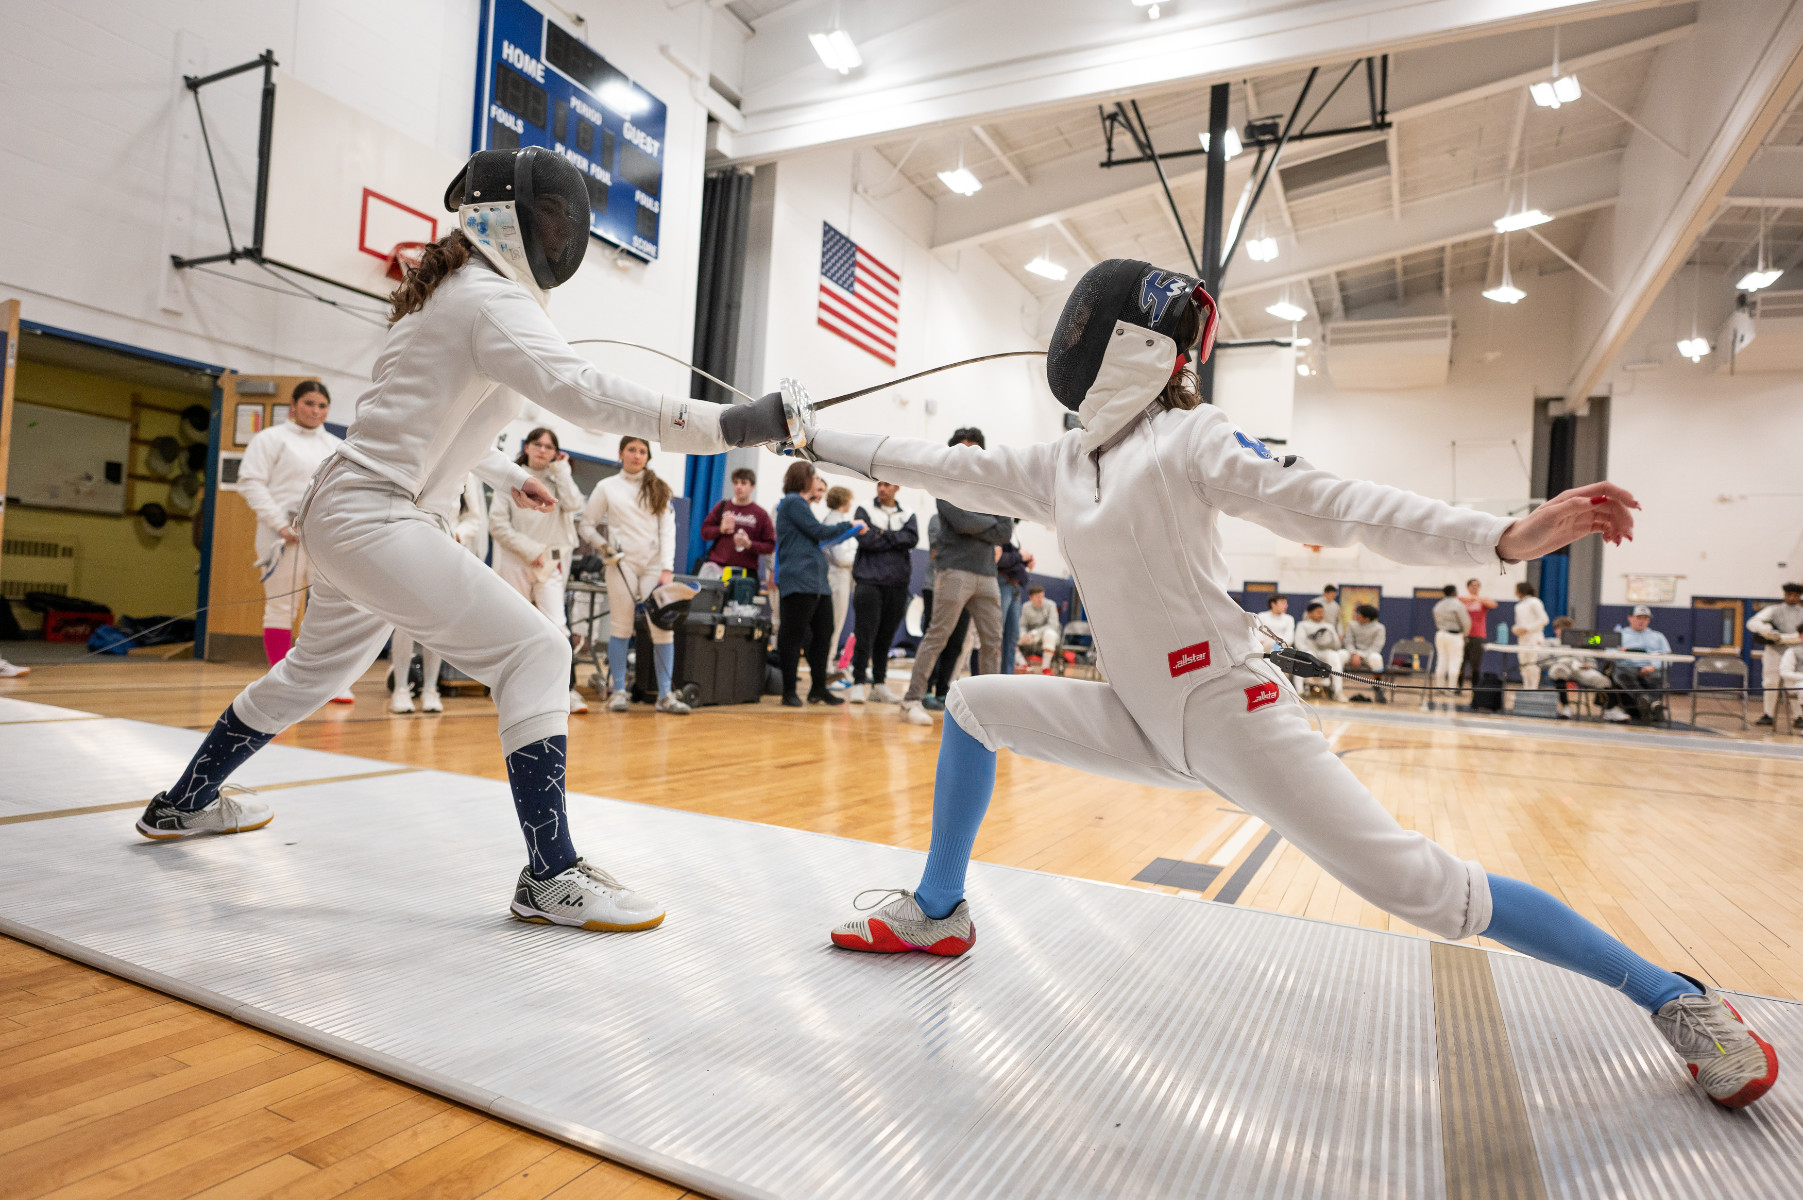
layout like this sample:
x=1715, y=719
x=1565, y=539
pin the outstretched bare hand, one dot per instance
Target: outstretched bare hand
x=535, y=495
x=1594, y=508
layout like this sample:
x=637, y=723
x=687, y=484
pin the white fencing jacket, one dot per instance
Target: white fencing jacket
x=1136, y=521
x=274, y=474
x=527, y=533
x=646, y=540
x=451, y=376
x=1530, y=615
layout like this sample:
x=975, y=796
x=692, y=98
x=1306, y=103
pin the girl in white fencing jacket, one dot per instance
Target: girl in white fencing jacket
x=1189, y=702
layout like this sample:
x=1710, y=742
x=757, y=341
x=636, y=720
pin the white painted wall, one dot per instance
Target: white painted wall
x=955, y=308
x=102, y=137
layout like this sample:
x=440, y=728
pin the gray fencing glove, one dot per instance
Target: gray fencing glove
x=755, y=424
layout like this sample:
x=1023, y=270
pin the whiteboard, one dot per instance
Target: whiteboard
x=63, y=459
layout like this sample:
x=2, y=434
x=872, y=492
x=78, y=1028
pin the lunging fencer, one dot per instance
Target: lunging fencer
x=469, y=337
x=1135, y=496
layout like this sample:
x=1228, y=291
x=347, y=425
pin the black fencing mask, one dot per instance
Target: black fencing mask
x=526, y=210
x=1121, y=289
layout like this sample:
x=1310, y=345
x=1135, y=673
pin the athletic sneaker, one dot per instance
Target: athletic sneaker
x=881, y=694
x=12, y=670
x=619, y=701
x=1616, y=716
x=400, y=702
x=826, y=698
x=163, y=822
x=577, y=703
x=1565, y=713
x=855, y=693
x=1797, y=724
x=932, y=703
x=429, y=702
x=914, y=714
x=900, y=926
x=584, y=896
x=670, y=703
x=1765, y=721
x=344, y=697
x=1732, y=1063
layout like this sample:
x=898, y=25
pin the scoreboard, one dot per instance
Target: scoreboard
x=538, y=85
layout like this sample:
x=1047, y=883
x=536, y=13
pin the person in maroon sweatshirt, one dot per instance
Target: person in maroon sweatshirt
x=739, y=528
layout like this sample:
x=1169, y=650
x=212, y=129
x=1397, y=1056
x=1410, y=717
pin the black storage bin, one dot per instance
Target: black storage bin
x=719, y=659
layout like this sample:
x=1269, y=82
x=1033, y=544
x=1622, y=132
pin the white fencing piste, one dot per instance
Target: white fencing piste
x=1099, y=1041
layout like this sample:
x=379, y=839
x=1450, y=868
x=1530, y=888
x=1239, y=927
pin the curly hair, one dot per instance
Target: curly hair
x=1184, y=390
x=437, y=262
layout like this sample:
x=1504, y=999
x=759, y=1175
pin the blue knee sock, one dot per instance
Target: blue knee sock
x=1527, y=919
x=225, y=749
x=664, y=655
x=616, y=662
x=535, y=773
x=961, y=790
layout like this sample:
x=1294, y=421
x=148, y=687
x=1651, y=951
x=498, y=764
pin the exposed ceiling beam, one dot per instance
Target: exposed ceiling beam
x=1394, y=150
x=1401, y=290
x=1446, y=272
x=1002, y=156
x=1076, y=243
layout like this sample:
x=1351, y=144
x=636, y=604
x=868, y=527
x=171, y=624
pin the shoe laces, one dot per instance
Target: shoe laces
x=228, y=807
x=592, y=873
x=882, y=895
x=1713, y=1023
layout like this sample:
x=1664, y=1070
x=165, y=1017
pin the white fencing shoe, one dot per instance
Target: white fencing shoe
x=1616, y=716
x=900, y=926
x=619, y=701
x=1734, y=1065
x=400, y=701
x=882, y=695
x=163, y=822
x=673, y=704
x=429, y=702
x=586, y=897
x=577, y=703
x=913, y=714
x=855, y=693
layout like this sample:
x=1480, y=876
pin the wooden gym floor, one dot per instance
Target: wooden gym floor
x=108, y=1089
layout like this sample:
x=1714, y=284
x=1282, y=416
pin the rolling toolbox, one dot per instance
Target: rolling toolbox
x=719, y=656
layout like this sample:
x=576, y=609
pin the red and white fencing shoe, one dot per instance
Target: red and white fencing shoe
x=900, y=926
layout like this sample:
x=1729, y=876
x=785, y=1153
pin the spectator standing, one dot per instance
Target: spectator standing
x=1477, y=606
x=532, y=548
x=880, y=575
x=1633, y=682
x=1321, y=639
x=963, y=578
x=739, y=528
x=1011, y=575
x=1329, y=600
x=1772, y=625
x=1452, y=624
x=805, y=595
x=1529, y=627
x=1365, y=639
x=1039, y=628
x=840, y=556
x=277, y=468
x=940, y=681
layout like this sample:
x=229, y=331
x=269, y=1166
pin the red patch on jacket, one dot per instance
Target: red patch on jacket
x=1190, y=658
x=1260, y=695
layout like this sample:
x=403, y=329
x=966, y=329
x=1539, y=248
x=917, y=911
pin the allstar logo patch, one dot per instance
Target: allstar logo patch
x=1190, y=658
x=1261, y=696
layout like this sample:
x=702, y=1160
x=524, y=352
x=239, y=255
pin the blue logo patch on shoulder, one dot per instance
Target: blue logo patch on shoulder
x=1253, y=444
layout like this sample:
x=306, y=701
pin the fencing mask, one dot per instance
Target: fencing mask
x=666, y=606
x=1124, y=291
x=526, y=211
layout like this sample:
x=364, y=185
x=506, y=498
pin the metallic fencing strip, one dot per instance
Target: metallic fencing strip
x=1483, y=1123
x=128, y=805
x=1614, y=1111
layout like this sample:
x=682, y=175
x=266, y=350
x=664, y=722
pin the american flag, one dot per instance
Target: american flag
x=860, y=298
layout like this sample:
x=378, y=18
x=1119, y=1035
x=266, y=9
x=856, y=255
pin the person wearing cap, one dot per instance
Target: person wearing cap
x=1778, y=626
x=1632, y=680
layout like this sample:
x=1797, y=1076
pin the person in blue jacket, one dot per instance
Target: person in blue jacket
x=806, y=598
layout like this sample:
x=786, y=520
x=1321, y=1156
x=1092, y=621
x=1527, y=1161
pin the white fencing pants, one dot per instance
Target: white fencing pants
x=1769, y=658
x=545, y=594
x=1530, y=663
x=1269, y=761
x=284, y=587
x=1449, y=656
x=839, y=580
x=380, y=561
x=1043, y=641
x=1573, y=671
x=628, y=583
x=1337, y=660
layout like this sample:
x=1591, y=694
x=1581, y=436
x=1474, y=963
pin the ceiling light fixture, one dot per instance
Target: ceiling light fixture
x=960, y=180
x=1505, y=292
x=837, y=50
x=1262, y=249
x=1526, y=219
x=1764, y=275
x=1555, y=92
x=1151, y=7
x=1231, y=142
x=1283, y=310
x=1045, y=268
x=1696, y=345
x=1693, y=348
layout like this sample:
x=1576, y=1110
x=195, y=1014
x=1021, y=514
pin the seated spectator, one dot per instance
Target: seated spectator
x=740, y=530
x=1322, y=640
x=1276, y=623
x=1365, y=640
x=1039, y=628
x=1569, y=669
x=1637, y=688
x=1451, y=623
x=1330, y=604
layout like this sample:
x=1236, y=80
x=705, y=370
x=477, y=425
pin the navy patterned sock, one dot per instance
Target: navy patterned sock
x=225, y=749
x=535, y=773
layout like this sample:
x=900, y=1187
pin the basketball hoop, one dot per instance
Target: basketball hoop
x=403, y=258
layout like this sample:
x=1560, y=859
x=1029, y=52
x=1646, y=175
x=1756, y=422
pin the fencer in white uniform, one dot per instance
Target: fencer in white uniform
x=1529, y=628
x=1189, y=702
x=471, y=532
x=470, y=336
x=1777, y=626
x=273, y=475
x=532, y=548
x=1317, y=635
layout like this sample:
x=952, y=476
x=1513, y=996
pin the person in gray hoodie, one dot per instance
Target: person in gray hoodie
x=963, y=578
x=1451, y=624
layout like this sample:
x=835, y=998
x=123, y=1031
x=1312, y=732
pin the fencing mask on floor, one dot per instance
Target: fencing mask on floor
x=526, y=211
x=1124, y=291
